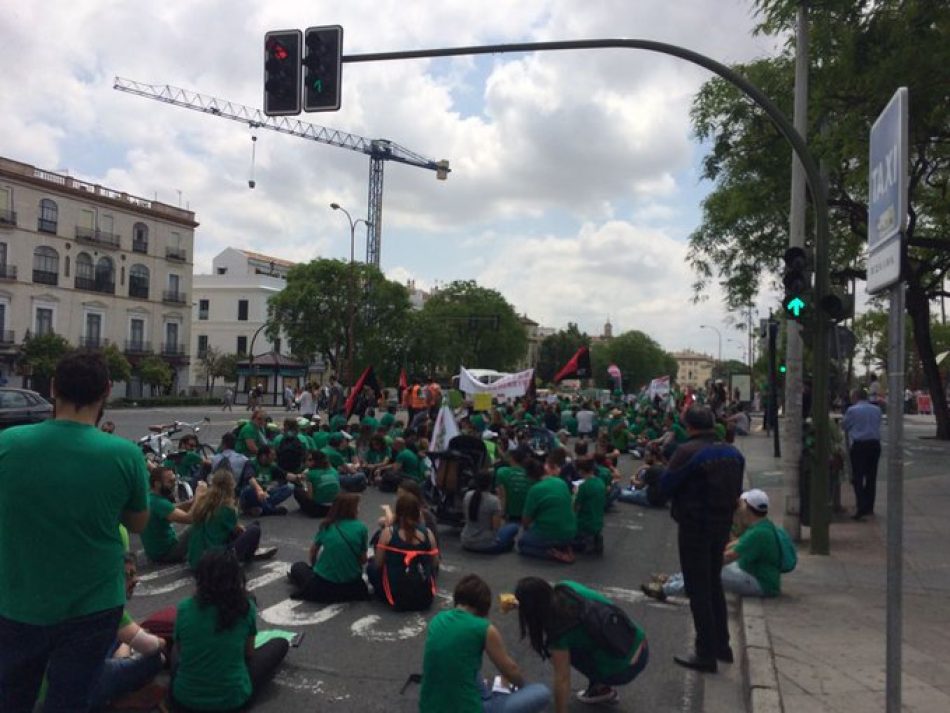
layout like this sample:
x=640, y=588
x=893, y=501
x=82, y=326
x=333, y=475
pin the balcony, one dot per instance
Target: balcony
x=139, y=245
x=138, y=346
x=138, y=290
x=97, y=237
x=173, y=297
x=7, y=217
x=45, y=277
x=95, y=342
x=7, y=272
x=6, y=338
x=46, y=226
x=171, y=349
x=94, y=284
x=175, y=254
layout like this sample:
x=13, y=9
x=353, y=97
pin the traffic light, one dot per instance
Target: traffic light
x=282, y=72
x=323, y=68
x=782, y=368
x=797, y=281
x=838, y=304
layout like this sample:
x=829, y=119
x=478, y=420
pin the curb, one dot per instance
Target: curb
x=758, y=659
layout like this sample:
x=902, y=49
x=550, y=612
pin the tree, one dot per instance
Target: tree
x=226, y=368
x=39, y=356
x=639, y=358
x=208, y=363
x=313, y=311
x=119, y=367
x=558, y=348
x=861, y=51
x=156, y=373
x=463, y=324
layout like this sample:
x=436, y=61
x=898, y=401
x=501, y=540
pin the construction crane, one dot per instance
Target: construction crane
x=378, y=150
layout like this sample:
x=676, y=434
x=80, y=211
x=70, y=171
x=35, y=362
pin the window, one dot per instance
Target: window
x=137, y=335
x=202, y=345
x=242, y=345
x=204, y=307
x=49, y=216
x=222, y=271
x=46, y=265
x=171, y=334
x=138, y=282
x=44, y=321
x=242, y=310
x=140, y=238
x=3, y=324
x=106, y=224
x=7, y=216
x=3, y=254
x=173, y=282
x=105, y=275
x=93, y=336
x=277, y=346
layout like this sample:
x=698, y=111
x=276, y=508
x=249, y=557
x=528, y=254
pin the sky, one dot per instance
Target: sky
x=574, y=183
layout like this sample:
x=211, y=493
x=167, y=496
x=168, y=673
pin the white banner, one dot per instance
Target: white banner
x=509, y=386
x=444, y=430
x=660, y=387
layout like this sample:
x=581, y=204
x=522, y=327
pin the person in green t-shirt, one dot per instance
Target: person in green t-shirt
x=334, y=571
x=512, y=484
x=252, y=435
x=219, y=667
x=159, y=540
x=65, y=487
x=377, y=456
x=316, y=494
x=590, y=501
x=452, y=660
x=190, y=465
x=548, y=618
x=215, y=523
x=405, y=465
x=548, y=519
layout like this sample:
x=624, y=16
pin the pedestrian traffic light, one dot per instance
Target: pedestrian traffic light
x=797, y=281
x=323, y=68
x=282, y=72
x=838, y=304
x=782, y=368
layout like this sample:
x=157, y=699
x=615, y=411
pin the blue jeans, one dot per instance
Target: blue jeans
x=504, y=540
x=533, y=544
x=634, y=496
x=353, y=482
x=532, y=698
x=275, y=496
x=122, y=676
x=734, y=579
x=71, y=654
x=613, y=494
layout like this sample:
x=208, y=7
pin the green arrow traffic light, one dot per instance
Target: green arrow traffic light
x=795, y=306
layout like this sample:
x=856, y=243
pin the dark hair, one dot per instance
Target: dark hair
x=699, y=418
x=228, y=441
x=221, y=584
x=585, y=465
x=472, y=591
x=558, y=456
x=411, y=486
x=483, y=480
x=345, y=507
x=266, y=449
x=533, y=468
x=319, y=459
x=535, y=613
x=155, y=475
x=580, y=448
x=335, y=440
x=408, y=511
x=81, y=378
x=290, y=425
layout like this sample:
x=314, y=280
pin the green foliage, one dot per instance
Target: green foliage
x=39, y=355
x=155, y=372
x=557, y=349
x=226, y=368
x=639, y=358
x=119, y=367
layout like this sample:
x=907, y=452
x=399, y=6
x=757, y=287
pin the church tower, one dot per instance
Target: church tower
x=608, y=329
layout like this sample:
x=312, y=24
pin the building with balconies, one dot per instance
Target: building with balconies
x=95, y=265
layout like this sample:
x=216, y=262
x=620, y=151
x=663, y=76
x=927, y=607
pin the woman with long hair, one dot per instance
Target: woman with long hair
x=218, y=667
x=549, y=617
x=215, y=522
x=485, y=528
x=334, y=572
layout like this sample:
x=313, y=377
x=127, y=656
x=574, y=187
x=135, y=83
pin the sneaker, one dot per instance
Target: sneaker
x=265, y=553
x=594, y=695
x=654, y=590
x=565, y=556
x=659, y=577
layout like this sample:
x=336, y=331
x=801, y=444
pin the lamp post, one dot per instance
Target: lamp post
x=352, y=316
x=742, y=347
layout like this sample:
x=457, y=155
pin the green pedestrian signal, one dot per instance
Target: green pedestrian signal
x=782, y=369
x=797, y=281
x=795, y=306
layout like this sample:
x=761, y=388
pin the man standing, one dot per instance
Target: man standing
x=306, y=402
x=62, y=580
x=862, y=423
x=228, y=399
x=336, y=400
x=704, y=480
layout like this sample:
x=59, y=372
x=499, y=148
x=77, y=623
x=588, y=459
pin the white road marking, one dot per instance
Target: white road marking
x=151, y=590
x=285, y=613
x=275, y=571
x=163, y=572
x=366, y=628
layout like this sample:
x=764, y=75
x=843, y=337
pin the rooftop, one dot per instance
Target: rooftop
x=267, y=258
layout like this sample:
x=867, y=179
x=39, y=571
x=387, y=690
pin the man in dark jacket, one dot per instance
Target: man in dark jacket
x=704, y=480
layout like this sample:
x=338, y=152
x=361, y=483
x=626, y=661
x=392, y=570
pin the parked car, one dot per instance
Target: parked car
x=19, y=406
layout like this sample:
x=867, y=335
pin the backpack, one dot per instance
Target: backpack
x=788, y=555
x=414, y=589
x=290, y=453
x=608, y=626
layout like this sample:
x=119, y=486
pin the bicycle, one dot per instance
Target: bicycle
x=157, y=447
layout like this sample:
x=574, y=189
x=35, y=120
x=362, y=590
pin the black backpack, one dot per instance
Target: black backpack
x=414, y=588
x=290, y=453
x=608, y=626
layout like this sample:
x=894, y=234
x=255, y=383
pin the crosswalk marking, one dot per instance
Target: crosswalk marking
x=288, y=613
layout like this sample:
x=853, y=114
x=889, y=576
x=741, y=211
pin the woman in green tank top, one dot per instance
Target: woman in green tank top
x=451, y=665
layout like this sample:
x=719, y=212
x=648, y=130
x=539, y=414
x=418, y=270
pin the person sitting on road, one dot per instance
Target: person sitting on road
x=549, y=525
x=405, y=465
x=590, y=501
x=291, y=446
x=610, y=475
x=377, y=457
x=752, y=561
x=228, y=457
x=334, y=571
x=411, y=487
x=645, y=484
x=351, y=479
x=252, y=435
x=189, y=465
x=159, y=540
x=315, y=494
x=485, y=528
x=547, y=617
x=402, y=570
x=219, y=668
x=513, y=483
x=452, y=661
x=740, y=420
x=268, y=488
x=215, y=524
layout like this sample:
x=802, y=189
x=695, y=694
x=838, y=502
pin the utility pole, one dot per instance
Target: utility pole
x=791, y=463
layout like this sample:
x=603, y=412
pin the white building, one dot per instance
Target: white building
x=693, y=369
x=94, y=265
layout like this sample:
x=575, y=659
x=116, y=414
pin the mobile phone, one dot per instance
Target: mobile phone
x=298, y=637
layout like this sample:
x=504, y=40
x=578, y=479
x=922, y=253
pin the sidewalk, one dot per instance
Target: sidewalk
x=820, y=646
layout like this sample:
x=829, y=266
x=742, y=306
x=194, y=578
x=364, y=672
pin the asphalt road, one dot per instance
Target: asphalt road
x=356, y=656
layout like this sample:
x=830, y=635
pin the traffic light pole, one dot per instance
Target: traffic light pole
x=772, y=411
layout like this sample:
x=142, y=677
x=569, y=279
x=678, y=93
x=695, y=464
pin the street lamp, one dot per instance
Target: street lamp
x=742, y=347
x=718, y=334
x=351, y=331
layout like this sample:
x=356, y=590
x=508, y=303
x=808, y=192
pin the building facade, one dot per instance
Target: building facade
x=94, y=265
x=693, y=369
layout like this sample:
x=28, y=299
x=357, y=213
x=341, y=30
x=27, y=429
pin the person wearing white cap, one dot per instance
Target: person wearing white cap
x=752, y=562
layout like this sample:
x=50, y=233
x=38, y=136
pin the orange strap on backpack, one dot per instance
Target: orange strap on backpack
x=409, y=556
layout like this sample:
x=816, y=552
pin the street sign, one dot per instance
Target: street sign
x=887, y=193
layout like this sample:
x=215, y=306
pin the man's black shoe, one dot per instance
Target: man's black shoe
x=697, y=664
x=725, y=656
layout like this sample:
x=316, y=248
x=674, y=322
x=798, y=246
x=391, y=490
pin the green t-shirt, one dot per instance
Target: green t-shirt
x=158, y=537
x=320, y=439
x=334, y=456
x=410, y=464
x=63, y=489
x=577, y=639
x=326, y=484
x=337, y=423
x=759, y=555
x=679, y=433
x=451, y=662
x=570, y=423
x=516, y=483
x=341, y=546
x=263, y=474
x=387, y=420
x=370, y=421
x=620, y=439
x=604, y=474
x=249, y=431
x=589, y=502
x=550, y=509
x=186, y=465
x=215, y=532
x=374, y=457
x=212, y=671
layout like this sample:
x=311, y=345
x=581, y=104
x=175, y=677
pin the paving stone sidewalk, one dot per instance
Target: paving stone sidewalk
x=820, y=646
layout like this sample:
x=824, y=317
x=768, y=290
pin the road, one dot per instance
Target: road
x=357, y=656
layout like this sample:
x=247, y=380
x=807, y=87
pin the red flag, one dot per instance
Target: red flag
x=403, y=379
x=367, y=378
x=579, y=366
